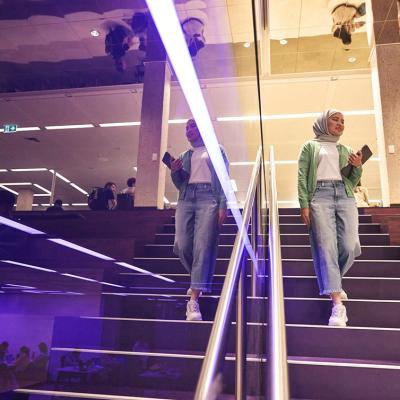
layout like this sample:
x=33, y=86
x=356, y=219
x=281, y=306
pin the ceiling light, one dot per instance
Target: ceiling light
x=42, y=188
x=3, y=170
x=94, y=33
x=242, y=163
x=19, y=286
x=169, y=28
x=82, y=126
x=246, y=44
x=27, y=169
x=27, y=265
x=352, y=60
x=9, y=190
x=112, y=284
x=272, y=117
x=135, y=169
x=46, y=205
x=126, y=265
x=79, y=188
x=79, y=204
x=283, y=42
x=178, y=121
x=20, y=227
x=81, y=249
x=42, y=194
x=114, y=124
x=60, y=176
x=80, y=277
x=17, y=184
x=28, y=128
x=234, y=186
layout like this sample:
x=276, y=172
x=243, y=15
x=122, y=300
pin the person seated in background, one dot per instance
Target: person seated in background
x=361, y=195
x=56, y=207
x=7, y=201
x=3, y=351
x=23, y=359
x=110, y=195
x=130, y=189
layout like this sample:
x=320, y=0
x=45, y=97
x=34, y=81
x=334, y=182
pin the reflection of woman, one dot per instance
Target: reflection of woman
x=200, y=212
x=344, y=14
x=328, y=207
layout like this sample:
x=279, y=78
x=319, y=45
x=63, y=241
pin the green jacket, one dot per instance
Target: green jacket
x=307, y=175
x=181, y=178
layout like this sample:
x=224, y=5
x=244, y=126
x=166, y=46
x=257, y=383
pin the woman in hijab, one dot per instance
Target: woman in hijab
x=328, y=207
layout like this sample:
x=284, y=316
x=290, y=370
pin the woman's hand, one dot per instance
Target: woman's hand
x=305, y=216
x=176, y=165
x=221, y=216
x=355, y=159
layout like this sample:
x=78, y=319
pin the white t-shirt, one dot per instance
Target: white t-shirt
x=328, y=163
x=199, y=169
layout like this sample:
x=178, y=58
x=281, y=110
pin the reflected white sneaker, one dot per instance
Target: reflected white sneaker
x=193, y=311
x=343, y=295
x=189, y=292
x=338, y=316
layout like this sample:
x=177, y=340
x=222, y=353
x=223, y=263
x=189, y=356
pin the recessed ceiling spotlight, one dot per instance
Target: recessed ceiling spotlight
x=246, y=44
x=283, y=42
x=352, y=59
x=95, y=33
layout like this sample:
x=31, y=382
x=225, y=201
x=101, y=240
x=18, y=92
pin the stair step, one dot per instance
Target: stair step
x=313, y=311
x=291, y=266
x=294, y=286
x=284, y=228
x=288, y=251
x=286, y=239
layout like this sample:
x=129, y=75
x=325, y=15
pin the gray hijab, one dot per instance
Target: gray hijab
x=320, y=127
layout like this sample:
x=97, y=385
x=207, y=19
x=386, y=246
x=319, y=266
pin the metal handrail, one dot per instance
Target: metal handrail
x=208, y=381
x=277, y=360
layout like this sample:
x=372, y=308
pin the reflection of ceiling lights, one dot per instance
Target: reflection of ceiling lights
x=289, y=116
x=27, y=169
x=81, y=126
x=246, y=44
x=283, y=42
x=352, y=60
x=113, y=124
x=94, y=33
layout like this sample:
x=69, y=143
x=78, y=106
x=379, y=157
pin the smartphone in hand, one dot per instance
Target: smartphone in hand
x=366, y=153
x=167, y=159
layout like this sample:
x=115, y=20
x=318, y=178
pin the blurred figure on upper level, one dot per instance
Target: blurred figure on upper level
x=344, y=15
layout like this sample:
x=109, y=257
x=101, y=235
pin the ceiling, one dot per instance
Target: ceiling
x=46, y=44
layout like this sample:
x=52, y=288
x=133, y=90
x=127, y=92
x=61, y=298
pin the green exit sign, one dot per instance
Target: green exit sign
x=10, y=128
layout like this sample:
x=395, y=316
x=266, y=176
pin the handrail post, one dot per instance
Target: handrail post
x=277, y=359
x=241, y=334
x=254, y=245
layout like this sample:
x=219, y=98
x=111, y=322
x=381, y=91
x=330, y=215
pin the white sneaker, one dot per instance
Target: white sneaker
x=193, y=311
x=189, y=292
x=338, y=316
x=343, y=295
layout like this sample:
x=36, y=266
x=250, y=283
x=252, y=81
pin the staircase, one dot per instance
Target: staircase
x=141, y=345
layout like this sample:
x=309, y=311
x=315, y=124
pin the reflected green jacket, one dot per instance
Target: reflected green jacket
x=307, y=174
x=181, y=178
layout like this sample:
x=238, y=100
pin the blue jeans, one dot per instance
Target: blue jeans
x=333, y=234
x=196, y=234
